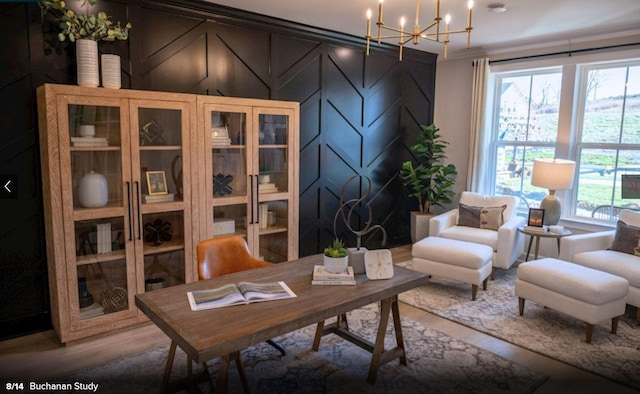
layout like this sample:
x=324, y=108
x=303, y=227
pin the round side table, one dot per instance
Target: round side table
x=539, y=234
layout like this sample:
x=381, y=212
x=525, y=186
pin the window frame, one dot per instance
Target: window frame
x=570, y=117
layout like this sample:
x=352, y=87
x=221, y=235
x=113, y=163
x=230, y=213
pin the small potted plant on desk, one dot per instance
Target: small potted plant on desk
x=335, y=257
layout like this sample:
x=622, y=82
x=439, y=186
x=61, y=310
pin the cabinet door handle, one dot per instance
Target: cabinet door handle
x=257, y=202
x=130, y=207
x=251, y=196
x=139, y=212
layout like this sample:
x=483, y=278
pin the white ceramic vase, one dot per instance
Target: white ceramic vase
x=335, y=265
x=93, y=191
x=111, y=71
x=87, y=63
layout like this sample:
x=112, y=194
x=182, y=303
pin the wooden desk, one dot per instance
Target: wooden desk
x=205, y=335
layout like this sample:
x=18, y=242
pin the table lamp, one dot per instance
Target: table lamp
x=552, y=174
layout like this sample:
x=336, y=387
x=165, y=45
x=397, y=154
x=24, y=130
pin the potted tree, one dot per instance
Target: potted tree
x=430, y=181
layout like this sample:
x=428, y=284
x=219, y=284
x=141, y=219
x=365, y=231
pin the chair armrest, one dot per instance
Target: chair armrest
x=510, y=242
x=574, y=244
x=442, y=222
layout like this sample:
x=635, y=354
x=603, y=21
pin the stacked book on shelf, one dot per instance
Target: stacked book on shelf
x=103, y=234
x=267, y=188
x=158, y=197
x=323, y=277
x=536, y=229
x=89, y=141
x=220, y=136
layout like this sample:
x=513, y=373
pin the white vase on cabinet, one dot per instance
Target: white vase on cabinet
x=87, y=63
x=93, y=191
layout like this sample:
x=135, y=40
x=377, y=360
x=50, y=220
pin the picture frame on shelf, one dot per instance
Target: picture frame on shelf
x=157, y=182
x=536, y=217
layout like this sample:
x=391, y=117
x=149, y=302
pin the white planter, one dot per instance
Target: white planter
x=87, y=63
x=419, y=226
x=86, y=130
x=93, y=191
x=335, y=265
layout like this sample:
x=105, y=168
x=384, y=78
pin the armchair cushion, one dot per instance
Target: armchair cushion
x=490, y=218
x=627, y=238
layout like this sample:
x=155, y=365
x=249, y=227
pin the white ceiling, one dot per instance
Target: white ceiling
x=525, y=23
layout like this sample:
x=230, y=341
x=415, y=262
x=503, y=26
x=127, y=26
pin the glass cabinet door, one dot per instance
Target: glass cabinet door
x=160, y=164
x=101, y=277
x=229, y=183
x=274, y=183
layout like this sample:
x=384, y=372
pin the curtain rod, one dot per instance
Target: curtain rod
x=569, y=52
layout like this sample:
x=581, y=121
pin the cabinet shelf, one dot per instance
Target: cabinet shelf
x=160, y=147
x=273, y=146
x=170, y=246
x=273, y=230
x=113, y=209
x=100, y=258
x=94, y=148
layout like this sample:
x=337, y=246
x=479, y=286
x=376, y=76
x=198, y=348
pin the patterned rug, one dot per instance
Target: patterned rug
x=542, y=330
x=438, y=363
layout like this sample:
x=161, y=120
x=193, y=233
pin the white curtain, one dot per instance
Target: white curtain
x=478, y=179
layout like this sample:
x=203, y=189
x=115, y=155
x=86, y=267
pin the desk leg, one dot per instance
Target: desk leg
x=221, y=379
x=167, y=368
x=379, y=355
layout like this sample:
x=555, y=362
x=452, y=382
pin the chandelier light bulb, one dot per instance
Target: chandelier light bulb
x=447, y=19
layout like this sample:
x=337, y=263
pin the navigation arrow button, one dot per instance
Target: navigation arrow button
x=9, y=186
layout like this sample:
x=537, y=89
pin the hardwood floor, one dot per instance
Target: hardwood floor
x=41, y=356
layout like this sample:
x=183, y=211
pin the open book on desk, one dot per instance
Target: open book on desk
x=237, y=294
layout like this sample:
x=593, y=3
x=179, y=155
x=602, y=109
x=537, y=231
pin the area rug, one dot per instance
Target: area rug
x=542, y=330
x=438, y=363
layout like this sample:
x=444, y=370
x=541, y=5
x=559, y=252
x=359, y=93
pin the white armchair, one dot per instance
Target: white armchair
x=592, y=250
x=506, y=242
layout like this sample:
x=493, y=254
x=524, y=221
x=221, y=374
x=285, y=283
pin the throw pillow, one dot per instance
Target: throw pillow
x=492, y=217
x=468, y=216
x=626, y=238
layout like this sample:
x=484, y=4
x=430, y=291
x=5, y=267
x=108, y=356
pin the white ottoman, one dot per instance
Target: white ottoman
x=452, y=259
x=584, y=293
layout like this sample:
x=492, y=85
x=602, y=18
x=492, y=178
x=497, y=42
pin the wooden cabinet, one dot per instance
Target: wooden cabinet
x=116, y=222
x=250, y=162
x=132, y=180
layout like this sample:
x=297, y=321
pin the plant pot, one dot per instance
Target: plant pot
x=335, y=265
x=88, y=70
x=419, y=225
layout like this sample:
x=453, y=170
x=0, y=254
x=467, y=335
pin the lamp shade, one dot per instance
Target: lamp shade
x=553, y=174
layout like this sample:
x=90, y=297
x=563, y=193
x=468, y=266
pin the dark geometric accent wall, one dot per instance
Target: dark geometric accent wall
x=358, y=115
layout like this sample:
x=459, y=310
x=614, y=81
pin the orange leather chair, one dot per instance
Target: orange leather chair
x=225, y=255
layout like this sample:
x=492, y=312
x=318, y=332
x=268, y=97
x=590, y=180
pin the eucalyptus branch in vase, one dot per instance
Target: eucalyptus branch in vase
x=74, y=26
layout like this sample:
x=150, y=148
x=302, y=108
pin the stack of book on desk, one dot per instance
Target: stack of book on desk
x=323, y=277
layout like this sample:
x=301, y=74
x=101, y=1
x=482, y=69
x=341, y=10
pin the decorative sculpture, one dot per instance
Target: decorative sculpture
x=347, y=218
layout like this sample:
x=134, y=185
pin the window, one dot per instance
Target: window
x=526, y=128
x=608, y=126
x=601, y=106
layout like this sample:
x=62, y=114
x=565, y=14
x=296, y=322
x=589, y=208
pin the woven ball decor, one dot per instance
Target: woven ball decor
x=114, y=300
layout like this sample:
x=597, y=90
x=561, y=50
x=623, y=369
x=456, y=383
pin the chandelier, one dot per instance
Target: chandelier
x=414, y=36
